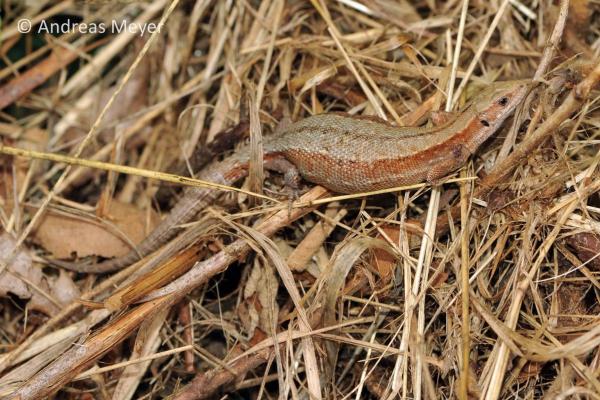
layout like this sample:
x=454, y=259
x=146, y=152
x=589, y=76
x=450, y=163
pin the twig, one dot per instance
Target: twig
x=205, y=385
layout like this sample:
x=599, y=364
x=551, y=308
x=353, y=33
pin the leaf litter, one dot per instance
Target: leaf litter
x=363, y=297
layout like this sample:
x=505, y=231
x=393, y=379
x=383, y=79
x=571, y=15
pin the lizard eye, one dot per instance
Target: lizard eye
x=484, y=123
x=503, y=101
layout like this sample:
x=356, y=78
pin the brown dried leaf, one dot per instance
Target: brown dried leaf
x=27, y=281
x=587, y=247
x=22, y=264
x=571, y=305
x=63, y=289
x=383, y=261
x=64, y=235
x=260, y=293
x=579, y=13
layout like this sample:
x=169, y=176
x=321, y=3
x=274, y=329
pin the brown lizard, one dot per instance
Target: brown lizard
x=346, y=154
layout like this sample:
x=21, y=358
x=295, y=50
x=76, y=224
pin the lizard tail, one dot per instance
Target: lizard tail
x=226, y=172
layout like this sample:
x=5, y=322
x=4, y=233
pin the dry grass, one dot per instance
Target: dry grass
x=486, y=286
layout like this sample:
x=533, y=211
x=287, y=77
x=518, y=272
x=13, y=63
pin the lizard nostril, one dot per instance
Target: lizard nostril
x=503, y=101
x=484, y=123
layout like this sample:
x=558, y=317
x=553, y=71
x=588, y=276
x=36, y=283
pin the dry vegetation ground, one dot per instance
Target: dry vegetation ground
x=481, y=287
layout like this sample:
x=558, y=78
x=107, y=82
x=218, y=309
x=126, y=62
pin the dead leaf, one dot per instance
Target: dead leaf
x=579, y=14
x=260, y=293
x=63, y=289
x=572, y=308
x=587, y=247
x=26, y=281
x=384, y=262
x=64, y=235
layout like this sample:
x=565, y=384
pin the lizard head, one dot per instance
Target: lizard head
x=496, y=102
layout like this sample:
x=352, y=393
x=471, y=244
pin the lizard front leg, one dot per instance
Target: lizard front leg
x=290, y=173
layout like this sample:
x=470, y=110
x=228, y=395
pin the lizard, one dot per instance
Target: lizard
x=346, y=154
